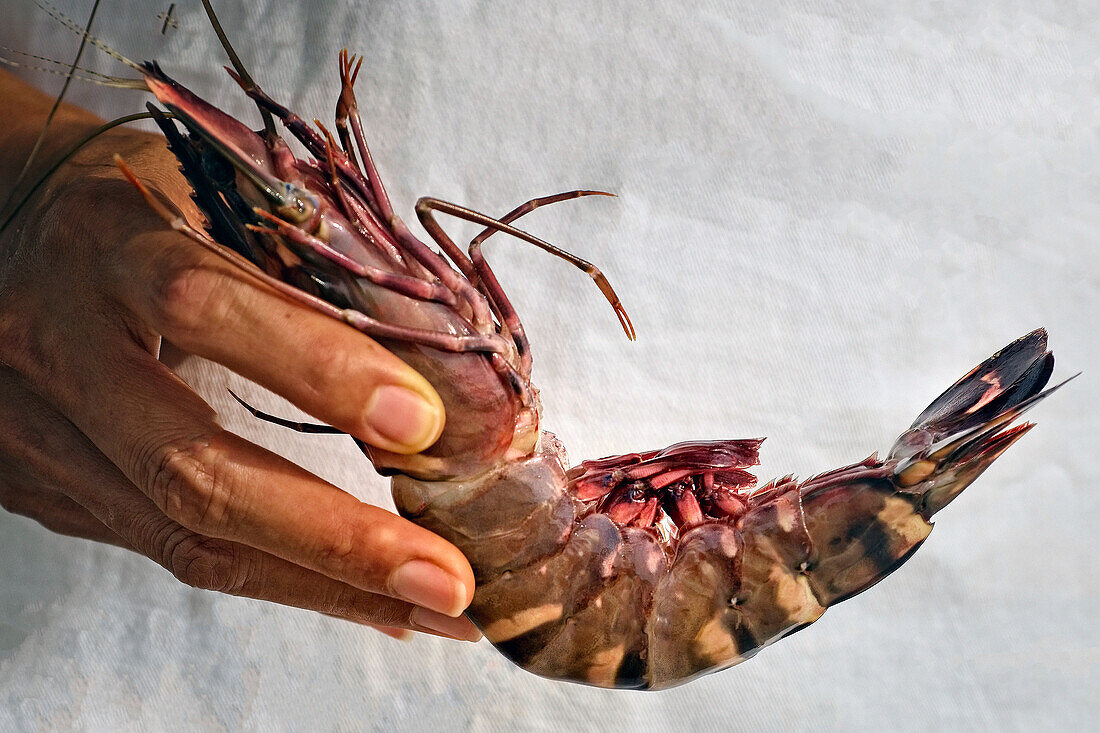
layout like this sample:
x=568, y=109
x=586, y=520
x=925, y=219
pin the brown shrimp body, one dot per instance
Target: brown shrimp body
x=566, y=592
x=638, y=571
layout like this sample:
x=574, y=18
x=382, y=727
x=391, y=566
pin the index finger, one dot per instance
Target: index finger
x=206, y=306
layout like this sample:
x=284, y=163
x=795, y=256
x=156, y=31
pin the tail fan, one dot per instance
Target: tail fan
x=967, y=427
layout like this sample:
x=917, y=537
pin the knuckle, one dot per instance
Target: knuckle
x=339, y=544
x=27, y=349
x=30, y=504
x=330, y=364
x=385, y=536
x=206, y=563
x=350, y=603
x=358, y=545
x=13, y=335
x=337, y=600
x=188, y=297
x=392, y=613
x=186, y=485
x=26, y=438
x=21, y=505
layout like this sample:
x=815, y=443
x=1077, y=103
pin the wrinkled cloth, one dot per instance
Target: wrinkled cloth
x=826, y=213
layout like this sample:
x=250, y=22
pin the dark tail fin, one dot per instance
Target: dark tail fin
x=967, y=427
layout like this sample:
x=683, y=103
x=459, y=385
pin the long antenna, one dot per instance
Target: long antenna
x=70, y=153
x=53, y=111
x=248, y=83
x=45, y=64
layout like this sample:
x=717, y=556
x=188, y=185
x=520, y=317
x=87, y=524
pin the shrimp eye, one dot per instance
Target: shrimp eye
x=299, y=206
x=298, y=209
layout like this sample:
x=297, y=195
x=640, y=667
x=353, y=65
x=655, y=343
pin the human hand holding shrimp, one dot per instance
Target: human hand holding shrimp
x=100, y=440
x=642, y=570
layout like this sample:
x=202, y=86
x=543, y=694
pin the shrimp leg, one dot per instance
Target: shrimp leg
x=489, y=343
x=425, y=206
x=298, y=427
x=347, y=107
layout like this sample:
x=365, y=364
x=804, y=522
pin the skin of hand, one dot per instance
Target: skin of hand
x=99, y=439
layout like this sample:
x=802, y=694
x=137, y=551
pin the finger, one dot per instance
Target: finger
x=390, y=631
x=20, y=494
x=24, y=442
x=100, y=492
x=394, y=633
x=216, y=484
x=235, y=569
x=207, y=307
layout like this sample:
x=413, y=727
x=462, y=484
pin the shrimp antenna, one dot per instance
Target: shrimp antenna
x=47, y=65
x=246, y=78
x=73, y=150
x=85, y=34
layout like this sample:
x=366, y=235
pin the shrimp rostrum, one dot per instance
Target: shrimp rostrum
x=642, y=570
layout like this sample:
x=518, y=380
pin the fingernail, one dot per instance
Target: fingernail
x=426, y=584
x=403, y=416
x=460, y=628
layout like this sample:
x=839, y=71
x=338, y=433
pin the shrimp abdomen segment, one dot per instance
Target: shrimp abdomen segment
x=732, y=590
x=861, y=531
x=604, y=642
x=505, y=519
x=522, y=609
x=693, y=627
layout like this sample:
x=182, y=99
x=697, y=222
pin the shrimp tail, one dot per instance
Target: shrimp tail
x=801, y=547
x=865, y=522
x=969, y=426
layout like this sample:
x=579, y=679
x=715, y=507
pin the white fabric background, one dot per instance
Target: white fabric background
x=828, y=212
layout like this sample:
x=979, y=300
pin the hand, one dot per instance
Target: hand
x=98, y=439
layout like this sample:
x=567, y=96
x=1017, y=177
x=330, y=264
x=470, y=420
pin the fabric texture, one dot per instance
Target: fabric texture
x=826, y=213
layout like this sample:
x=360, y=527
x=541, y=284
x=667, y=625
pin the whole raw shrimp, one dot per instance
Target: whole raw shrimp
x=638, y=571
